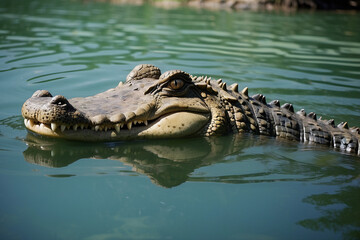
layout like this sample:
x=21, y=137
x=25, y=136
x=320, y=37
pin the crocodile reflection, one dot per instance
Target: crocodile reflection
x=167, y=163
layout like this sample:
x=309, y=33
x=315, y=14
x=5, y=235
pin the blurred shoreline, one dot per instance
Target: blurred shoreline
x=284, y=5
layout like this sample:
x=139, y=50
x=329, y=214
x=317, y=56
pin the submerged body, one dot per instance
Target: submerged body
x=175, y=104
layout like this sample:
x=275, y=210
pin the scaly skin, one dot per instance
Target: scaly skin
x=175, y=104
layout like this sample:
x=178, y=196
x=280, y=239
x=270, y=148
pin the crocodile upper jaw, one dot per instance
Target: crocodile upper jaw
x=178, y=124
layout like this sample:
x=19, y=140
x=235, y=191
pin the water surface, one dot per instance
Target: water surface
x=230, y=187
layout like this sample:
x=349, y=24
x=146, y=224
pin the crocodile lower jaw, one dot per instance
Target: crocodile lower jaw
x=178, y=124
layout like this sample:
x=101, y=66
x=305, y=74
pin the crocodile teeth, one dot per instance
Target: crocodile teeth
x=117, y=127
x=31, y=122
x=62, y=127
x=54, y=126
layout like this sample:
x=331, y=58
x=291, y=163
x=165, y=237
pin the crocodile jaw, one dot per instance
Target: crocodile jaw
x=179, y=124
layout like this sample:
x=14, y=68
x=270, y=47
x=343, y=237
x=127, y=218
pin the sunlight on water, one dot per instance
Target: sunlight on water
x=230, y=187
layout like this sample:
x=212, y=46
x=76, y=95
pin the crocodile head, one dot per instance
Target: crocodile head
x=147, y=105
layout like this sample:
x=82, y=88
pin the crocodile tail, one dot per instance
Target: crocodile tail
x=307, y=128
x=256, y=115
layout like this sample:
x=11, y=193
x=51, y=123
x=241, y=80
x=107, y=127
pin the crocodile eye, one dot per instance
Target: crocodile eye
x=176, y=84
x=59, y=100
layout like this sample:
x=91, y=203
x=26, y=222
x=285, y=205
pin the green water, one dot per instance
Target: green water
x=230, y=187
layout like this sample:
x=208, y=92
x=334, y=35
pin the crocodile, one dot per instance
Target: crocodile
x=174, y=104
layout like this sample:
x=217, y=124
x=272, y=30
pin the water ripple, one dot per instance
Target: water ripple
x=277, y=57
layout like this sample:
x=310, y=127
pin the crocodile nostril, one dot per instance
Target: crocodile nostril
x=59, y=100
x=42, y=93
